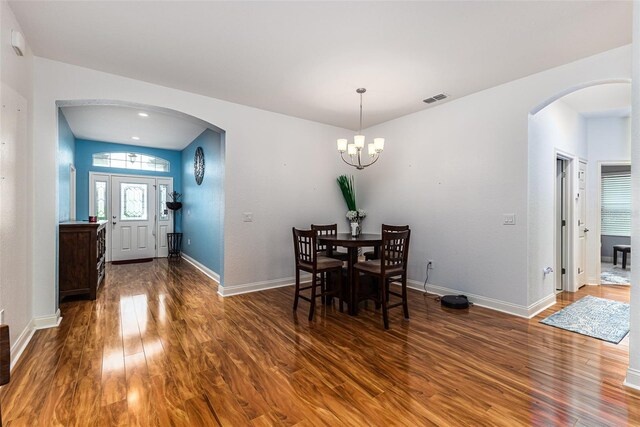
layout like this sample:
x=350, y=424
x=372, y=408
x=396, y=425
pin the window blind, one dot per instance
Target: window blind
x=616, y=204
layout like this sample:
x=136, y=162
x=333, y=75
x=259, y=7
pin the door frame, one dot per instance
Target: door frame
x=598, y=224
x=110, y=176
x=563, y=233
x=72, y=192
x=579, y=225
x=570, y=199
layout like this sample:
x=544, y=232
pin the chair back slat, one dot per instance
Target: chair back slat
x=304, y=244
x=324, y=230
x=387, y=227
x=395, y=249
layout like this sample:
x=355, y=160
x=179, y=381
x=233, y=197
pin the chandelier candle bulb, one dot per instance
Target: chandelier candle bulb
x=352, y=150
x=342, y=145
x=372, y=149
x=359, y=141
x=379, y=143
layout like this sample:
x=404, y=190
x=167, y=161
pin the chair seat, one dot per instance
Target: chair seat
x=374, y=266
x=369, y=255
x=324, y=263
x=342, y=256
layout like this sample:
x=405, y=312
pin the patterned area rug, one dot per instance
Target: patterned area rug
x=609, y=277
x=596, y=317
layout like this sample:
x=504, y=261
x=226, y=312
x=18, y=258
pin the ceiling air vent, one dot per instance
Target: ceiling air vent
x=435, y=98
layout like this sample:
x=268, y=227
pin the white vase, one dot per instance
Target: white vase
x=355, y=229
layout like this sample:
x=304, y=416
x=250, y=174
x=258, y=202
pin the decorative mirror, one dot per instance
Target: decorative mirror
x=198, y=165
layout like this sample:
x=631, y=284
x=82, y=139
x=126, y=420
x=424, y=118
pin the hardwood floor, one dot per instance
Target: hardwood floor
x=160, y=347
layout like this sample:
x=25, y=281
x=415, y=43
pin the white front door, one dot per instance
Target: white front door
x=133, y=218
x=582, y=225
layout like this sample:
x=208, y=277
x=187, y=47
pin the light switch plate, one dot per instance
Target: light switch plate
x=509, y=219
x=247, y=216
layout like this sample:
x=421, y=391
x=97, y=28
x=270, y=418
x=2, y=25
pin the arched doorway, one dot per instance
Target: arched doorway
x=147, y=132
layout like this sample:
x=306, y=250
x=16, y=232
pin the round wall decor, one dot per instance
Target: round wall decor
x=198, y=165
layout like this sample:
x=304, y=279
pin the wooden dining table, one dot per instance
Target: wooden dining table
x=346, y=240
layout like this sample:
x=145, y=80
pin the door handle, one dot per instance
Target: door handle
x=114, y=223
x=586, y=230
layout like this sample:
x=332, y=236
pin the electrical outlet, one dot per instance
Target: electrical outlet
x=430, y=264
x=188, y=241
x=509, y=219
x=247, y=216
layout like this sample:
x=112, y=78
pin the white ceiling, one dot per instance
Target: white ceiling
x=119, y=124
x=306, y=59
x=601, y=100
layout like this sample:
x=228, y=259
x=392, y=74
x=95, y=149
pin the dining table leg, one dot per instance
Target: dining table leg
x=353, y=298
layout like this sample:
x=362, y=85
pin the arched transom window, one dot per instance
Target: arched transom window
x=131, y=161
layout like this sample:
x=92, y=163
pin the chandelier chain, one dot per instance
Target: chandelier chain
x=360, y=129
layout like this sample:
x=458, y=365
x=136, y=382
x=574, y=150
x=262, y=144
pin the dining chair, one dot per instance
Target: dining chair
x=392, y=266
x=371, y=255
x=307, y=259
x=328, y=230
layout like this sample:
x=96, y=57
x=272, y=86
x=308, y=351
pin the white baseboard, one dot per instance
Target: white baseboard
x=207, y=271
x=24, y=338
x=542, y=305
x=505, y=307
x=633, y=378
x=227, y=291
x=21, y=343
x=45, y=322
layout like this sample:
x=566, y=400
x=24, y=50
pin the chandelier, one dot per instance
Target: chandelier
x=354, y=151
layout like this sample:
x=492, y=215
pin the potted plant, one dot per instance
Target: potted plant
x=174, y=240
x=354, y=215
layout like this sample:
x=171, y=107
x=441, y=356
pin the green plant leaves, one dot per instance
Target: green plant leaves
x=348, y=188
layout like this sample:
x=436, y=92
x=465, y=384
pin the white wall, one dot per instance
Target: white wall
x=608, y=140
x=555, y=129
x=15, y=186
x=452, y=171
x=280, y=168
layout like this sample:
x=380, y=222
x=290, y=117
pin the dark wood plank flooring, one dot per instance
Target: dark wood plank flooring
x=160, y=347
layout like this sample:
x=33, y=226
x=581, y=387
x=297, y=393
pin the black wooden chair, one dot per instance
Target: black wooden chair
x=307, y=259
x=329, y=230
x=392, y=266
x=371, y=255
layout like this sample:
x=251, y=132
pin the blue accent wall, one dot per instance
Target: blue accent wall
x=202, y=220
x=84, y=164
x=66, y=156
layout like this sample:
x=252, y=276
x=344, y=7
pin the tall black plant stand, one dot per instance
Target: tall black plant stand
x=174, y=240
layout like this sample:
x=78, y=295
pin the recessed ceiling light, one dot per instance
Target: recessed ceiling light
x=135, y=138
x=143, y=114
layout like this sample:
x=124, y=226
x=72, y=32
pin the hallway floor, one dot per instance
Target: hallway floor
x=615, y=274
x=160, y=347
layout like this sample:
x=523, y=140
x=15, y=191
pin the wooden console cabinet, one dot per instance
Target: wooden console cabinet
x=81, y=257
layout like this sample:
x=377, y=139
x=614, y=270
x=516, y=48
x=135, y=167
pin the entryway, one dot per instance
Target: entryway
x=615, y=222
x=135, y=207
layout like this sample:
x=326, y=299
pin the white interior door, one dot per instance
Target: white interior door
x=133, y=218
x=582, y=225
